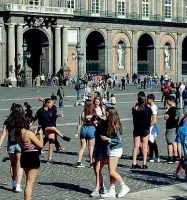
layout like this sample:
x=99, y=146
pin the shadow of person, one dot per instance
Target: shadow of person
x=68, y=186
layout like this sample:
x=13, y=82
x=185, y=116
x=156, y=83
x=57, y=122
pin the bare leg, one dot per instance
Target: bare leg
x=135, y=150
x=30, y=179
x=144, y=149
x=19, y=169
x=91, y=148
x=51, y=139
x=82, y=149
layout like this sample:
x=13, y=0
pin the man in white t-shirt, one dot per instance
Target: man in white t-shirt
x=166, y=78
x=153, y=129
x=42, y=78
x=181, y=89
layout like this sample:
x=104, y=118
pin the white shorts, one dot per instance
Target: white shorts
x=115, y=152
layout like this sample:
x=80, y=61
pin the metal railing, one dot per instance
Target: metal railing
x=35, y=9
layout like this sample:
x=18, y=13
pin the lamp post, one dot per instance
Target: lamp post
x=41, y=64
x=26, y=55
x=79, y=57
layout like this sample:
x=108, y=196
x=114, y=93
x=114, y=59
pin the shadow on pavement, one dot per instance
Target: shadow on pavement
x=4, y=188
x=67, y=186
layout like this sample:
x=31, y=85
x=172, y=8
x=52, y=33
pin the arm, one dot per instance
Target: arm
x=166, y=116
x=37, y=142
x=114, y=140
x=3, y=135
x=154, y=119
x=78, y=128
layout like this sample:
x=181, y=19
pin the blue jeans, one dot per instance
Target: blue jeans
x=185, y=106
x=78, y=95
x=61, y=102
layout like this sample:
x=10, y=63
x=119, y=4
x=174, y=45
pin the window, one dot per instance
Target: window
x=70, y=4
x=95, y=6
x=168, y=9
x=145, y=9
x=34, y=2
x=121, y=7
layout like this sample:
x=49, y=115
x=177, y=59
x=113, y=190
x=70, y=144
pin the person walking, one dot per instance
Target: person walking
x=86, y=129
x=37, y=83
x=28, y=110
x=30, y=146
x=115, y=151
x=78, y=89
x=171, y=116
x=123, y=84
x=13, y=148
x=142, y=122
x=61, y=95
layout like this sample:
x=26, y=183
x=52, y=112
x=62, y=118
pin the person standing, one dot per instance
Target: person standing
x=42, y=77
x=181, y=89
x=30, y=146
x=13, y=148
x=171, y=116
x=115, y=151
x=37, y=82
x=184, y=96
x=123, y=84
x=28, y=110
x=142, y=121
x=153, y=129
x=61, y=95
x=86, y=129
x=78, y=90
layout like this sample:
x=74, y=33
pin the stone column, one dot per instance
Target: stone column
x=134, y=9
x=57, y=49
x=180, y=10
x=108, y=53
x=65, y=46
x=109, y=8
x=158, y=10
x=11, y=54
x=157, y=53
x=179, y=58
x=134, y=52
x=19, y=47
x=83, y=50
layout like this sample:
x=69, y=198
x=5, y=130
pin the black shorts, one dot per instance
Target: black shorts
x=30, y=160
x=142, y=133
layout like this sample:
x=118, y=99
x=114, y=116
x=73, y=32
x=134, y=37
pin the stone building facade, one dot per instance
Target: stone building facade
x=116, y=36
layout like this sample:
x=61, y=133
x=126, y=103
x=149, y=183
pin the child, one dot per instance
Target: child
x=112, y=100
x=104, y=101
x=115, y=151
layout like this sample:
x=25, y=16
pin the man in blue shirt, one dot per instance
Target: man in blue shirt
x=181, y=140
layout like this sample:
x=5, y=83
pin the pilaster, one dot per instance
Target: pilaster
x=134, y=52
x=65, y=45
x=57, y=48
x=83, y=50
x=157, y=53
x=179, y=58
x=19, y=46
x=108, y=53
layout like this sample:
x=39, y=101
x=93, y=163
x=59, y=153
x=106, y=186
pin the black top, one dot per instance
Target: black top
x=45, y=118
x=141, y=119
x=173, y=119
x=123, y=81
x=53, y=110
x=28, y=110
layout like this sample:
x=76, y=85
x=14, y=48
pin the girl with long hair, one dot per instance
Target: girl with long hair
x=13, y=148
x=100, y=148
x=86, y=130
x=115, y=151
x=142, y=122
x=30, y=146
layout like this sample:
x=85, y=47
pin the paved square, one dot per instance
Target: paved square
x=62, y=181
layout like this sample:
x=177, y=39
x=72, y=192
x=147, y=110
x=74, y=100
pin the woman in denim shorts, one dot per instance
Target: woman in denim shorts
x=86, y=129
x=13, y=149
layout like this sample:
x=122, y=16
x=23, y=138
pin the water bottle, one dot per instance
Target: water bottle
x=60, y=112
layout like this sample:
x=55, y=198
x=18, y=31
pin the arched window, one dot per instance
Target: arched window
x=145, y=9
x=95, y=7
x=70, y=4
x=168, y=9
x=121, y=8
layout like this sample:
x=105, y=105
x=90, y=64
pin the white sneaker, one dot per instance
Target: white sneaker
x=18, y=189
x=110, y=194
x=124, y=191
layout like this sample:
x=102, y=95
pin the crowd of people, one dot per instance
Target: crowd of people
x=100, y=128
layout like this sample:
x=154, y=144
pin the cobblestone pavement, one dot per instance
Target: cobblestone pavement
x=62, y=181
